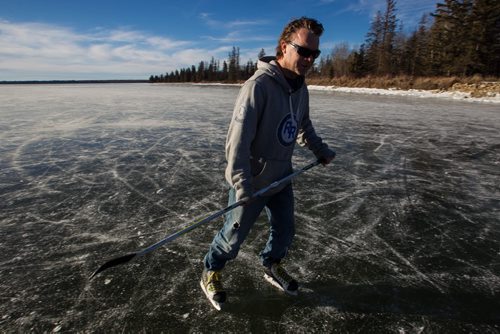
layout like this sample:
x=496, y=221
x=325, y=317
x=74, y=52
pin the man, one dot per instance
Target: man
x=271, y=113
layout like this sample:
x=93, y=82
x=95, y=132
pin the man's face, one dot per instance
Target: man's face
x=292, y=60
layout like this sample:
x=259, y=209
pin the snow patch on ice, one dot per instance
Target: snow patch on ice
x=453, y=95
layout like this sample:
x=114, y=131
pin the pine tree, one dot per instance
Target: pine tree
x=193, y=74
x=340, y=59
x=234, y=65
x=485, y=35
x=261, y=54
x=212, y=70
x=397, y=55
x=451, y=38
x=416, y=54
x=200, y=73
x=380, y=41
x=374, y=44
x=224, y=73
x=326, y=67
x=358, y=63
x=386, y=56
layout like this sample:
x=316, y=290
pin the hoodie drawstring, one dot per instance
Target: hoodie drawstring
x=294, y=117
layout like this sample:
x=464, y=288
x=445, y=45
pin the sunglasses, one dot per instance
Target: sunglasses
x=305, y=52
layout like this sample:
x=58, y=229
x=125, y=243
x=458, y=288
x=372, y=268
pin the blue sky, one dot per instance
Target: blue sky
x=108, y=39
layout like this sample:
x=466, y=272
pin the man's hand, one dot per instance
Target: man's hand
x=326, y=161
x=327, y=158
x=244, y=195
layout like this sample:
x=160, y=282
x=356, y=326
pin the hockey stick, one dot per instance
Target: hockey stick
x=126, y=258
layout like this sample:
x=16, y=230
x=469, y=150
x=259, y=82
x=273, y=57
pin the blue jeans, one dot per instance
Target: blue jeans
x=227, y=242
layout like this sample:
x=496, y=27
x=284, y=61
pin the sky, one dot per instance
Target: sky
x=125, y=39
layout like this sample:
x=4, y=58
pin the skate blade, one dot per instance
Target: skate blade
x=277, y=285
x=215, y=304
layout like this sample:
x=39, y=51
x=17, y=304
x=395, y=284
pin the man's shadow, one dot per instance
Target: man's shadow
x=451, y=303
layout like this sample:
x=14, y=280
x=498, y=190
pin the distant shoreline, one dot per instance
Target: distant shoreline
x=484, y=91
x=45, y=82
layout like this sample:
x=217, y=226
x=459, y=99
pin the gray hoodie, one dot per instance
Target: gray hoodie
x=268, y=118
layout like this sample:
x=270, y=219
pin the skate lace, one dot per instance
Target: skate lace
x=214, y=283
x=280, y=274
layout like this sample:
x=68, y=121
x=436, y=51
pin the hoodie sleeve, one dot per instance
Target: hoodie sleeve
x=240, y=136
x=307, y=137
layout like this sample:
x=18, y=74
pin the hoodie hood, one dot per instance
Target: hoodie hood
x=270, y=66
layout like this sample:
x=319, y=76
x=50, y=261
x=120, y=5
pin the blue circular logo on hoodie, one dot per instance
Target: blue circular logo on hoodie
x=287, y=131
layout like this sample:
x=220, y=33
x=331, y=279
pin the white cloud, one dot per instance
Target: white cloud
x=407, y=11
x=36, y=40
x=245, y=23
x=166, y=43
x=236, y=31
x=210, y=21
x=240, y=36
x=99, y=52
x=194, y=56
x=34, y=51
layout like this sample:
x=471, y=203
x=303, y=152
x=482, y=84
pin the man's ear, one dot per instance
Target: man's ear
x=283, y=45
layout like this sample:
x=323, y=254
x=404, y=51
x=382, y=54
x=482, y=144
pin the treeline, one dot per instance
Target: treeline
x=213, y=71
x=461, y=38
x=54, y=82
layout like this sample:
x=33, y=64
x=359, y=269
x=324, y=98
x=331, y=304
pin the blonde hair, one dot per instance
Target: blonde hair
x=293, y=26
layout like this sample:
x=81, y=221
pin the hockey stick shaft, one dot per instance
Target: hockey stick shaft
x=127, y=258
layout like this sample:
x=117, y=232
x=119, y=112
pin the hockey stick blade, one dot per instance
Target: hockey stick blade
x=114, y=262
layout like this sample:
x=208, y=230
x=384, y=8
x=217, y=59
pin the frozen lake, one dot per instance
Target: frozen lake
x=401, y=234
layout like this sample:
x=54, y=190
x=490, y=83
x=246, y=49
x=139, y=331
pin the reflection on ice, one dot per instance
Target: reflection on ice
x=400, y=234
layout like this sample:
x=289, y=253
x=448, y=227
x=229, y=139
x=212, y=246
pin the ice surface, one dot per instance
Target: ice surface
x=400, y=234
